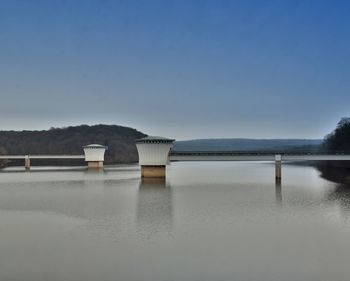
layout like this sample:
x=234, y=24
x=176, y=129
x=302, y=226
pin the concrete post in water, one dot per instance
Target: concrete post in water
x=27, y=163
x=278, y=191
x=278, y=166
x=153, y=156
x=94, y=155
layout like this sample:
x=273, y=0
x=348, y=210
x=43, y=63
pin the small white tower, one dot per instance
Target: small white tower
x=94, y=155
x=153, y=155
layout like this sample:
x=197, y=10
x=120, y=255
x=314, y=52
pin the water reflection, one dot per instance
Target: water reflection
x=340, y=175
x=335, y=174
x=341, y=195
x=154, y=208
x=215, y=216
x=91, y=198
x=278, y=192
x=60, y=197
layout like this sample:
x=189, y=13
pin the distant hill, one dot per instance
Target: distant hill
x=240, y=144
x=120, y=141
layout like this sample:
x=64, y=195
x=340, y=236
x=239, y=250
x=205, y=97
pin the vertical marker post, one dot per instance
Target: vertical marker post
x=278, y=167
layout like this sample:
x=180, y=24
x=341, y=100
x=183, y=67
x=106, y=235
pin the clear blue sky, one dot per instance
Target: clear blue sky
x=182, y=69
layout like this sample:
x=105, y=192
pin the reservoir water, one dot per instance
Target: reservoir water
x=207, y=221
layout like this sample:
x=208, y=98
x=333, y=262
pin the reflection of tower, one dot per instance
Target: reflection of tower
x=154, y=207
x=278, y=191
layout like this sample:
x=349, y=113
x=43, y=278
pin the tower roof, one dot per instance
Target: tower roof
x=94, y=145
x=154, y=139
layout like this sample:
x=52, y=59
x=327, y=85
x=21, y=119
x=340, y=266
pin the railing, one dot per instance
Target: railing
x=253, y=156
x=252, y=152
x=42, y=156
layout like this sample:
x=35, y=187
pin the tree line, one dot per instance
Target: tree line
x=338, y=141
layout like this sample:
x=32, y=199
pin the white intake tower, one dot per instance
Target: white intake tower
x=94, y=155
x=153, y=155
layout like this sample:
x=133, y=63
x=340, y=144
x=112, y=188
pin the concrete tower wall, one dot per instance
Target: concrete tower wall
x=94, y=154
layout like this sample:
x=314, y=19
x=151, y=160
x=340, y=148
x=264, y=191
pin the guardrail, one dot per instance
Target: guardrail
x=226, y=152
x=42, y=156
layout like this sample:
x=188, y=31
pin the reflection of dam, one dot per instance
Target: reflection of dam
x=154, y=207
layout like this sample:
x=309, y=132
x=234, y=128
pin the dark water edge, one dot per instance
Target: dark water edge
x=339, y=173
x=336, y=171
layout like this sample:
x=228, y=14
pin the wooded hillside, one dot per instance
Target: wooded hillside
x=120, y=141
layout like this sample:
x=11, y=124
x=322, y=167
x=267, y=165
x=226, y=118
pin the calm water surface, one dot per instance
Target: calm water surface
x=208, y=221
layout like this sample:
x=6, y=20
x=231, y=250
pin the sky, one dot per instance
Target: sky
x=180, y=69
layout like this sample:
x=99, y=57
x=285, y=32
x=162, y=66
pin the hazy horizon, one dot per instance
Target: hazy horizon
x=183, y=69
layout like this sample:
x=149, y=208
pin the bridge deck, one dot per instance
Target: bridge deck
x=42, y=156
x=234, y=156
